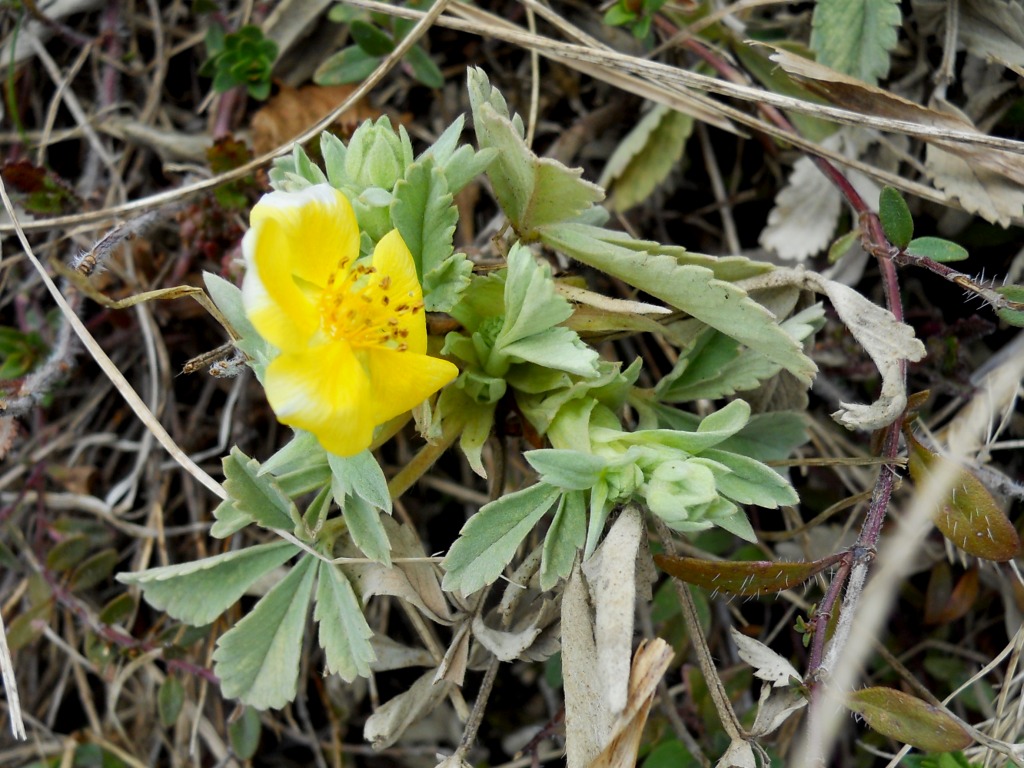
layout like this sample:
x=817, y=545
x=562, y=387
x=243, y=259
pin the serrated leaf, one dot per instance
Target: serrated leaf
x=645, y=156
x=257, y=660
x=361, y=476
x=489, y=539
x=894, y=214
x=169, y=700
x=564, y=539
x=257, y=495
x=693, y=289
x=856, y=36
x=532, y=191
x=1009, y=315
x=746, y=578
x=570, y=470
x=750, y=481
x=344, y=633
x=768, y=665
x=908, y=719
x=533, y=309
x=221, y=580
x=937, y=248
x=244, y=734
x=969, y=517
x=423, y=213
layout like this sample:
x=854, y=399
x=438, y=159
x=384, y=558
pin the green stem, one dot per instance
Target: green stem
x=424, y=460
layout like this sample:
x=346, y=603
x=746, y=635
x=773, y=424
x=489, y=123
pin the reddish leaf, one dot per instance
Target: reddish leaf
x=945, y=603
x=747, y=578
x=909, y=719
x=969, y=517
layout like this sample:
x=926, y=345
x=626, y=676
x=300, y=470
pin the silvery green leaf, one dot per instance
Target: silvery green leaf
x=257, y=495
x=333, y=150
x=489, y=539
x=569, y=470
x=361, y=476
x=298, y=453
x=364, y=525
x=228, y=298
x=564, y=539
x=344, y=633
x=750, y=481
x=257, y=660
x=221, y=580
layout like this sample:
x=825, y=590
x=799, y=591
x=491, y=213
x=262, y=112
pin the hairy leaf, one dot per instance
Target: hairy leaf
x=220, y=580
x=693, y=289
x=746, y=578
x=908, y=719
x=344, y=633
x=969, y=517
x=361, y=476
x=490, y=538
x=895, y=216
x=937, y=248
x=256, y=495
x=564, y=539
x=364, y=524
x=257, y=660
x=855, y=36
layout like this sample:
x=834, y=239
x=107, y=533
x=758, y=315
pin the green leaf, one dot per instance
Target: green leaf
x=532, y=191
x=533, y=308
x=351, y=65
x=68, y=553
x=489, y=539
x=365, y=527
x=460, y=164
x=344, y=633
x=256, y=495
x=221, y=580
x=228, y=298
x=856, y=36
x=569, y=470
x=897, y=223
x=244, y=733
x=909, y=719
x=361, y=476
x=937, y=249
x=564, y=540
x=750, y=481
x=1010, y=315
x=257, y=660
x=745, y=578
x=423, y=68
x=94, y=570
x=969, y=517
x=169, y=700
x=372, y=40
x=689, y=287
x=424, y=215
x=334, y=152
x=645, y=156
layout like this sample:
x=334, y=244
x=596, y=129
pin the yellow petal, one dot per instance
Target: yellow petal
x=282, y=313
x=391, y=257
x=320, y=226
x=324, y=390
x=402, y=380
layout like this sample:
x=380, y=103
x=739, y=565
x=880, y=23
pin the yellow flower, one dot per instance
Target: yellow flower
x=352, y=335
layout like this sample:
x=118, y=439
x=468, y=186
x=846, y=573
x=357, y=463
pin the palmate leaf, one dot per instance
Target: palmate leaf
x=252, y=497
x=532, y=191
x=693, y=289
x=220, y=581
x=257, y=660
x=855, y=36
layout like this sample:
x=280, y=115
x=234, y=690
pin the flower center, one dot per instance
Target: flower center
x=364, y=308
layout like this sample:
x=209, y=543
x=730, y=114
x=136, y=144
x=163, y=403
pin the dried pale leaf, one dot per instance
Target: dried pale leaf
x=587, y=719
x=909, y=719
x=10, y=685
x=808, y=208
x=740, y=754
x=994, y=30
x=774, y=708
x=393, y=655
x=611, y=574
x=8, y=431
x=768, y=665
x=980, y=190
x=649, y=664
x=387, y=724
x=293, y=111
x=513, y=644
x=609, y=304
x=456, y=659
